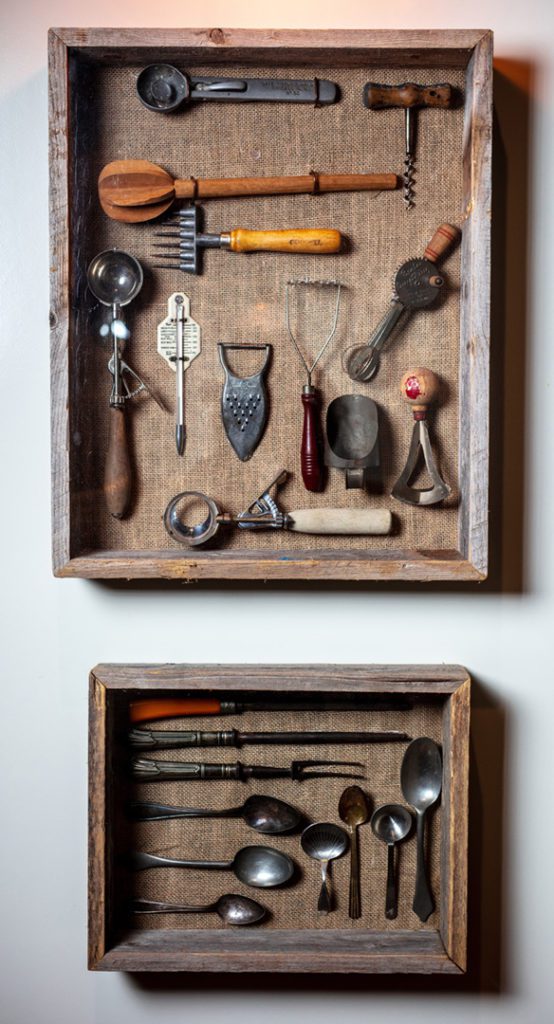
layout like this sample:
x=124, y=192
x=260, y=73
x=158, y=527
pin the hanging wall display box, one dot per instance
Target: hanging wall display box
x=167, y=782
x=247, y=379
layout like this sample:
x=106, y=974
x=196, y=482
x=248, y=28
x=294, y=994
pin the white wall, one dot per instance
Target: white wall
x=54, y=631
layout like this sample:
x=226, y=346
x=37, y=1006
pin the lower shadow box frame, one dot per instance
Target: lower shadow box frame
x=115, y=945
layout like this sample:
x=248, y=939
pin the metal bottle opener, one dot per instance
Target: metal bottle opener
x=244, y=403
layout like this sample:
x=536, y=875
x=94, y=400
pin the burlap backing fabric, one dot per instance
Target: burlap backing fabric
x=211, y=839
x=240, y=298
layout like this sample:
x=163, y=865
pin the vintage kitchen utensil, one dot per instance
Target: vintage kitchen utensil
x=259, y=866
x=172, y=739
x=324, y=841
x=416, y=286
x=352, y=438
x=184, y=254
x=264, y=513
x=410, y=97
x=264, y=814
x=420, y=388
x=115, y=278
x=137, y=190
x=179, y=343
x=162, y=771
x=311, y=454
x=163, y=88
x=391, y=823
x=421, y=781
x=232, y=909
x=244, y=403
x=354, y=810
x=150, y=710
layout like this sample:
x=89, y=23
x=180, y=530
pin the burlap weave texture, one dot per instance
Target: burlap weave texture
x=240, y=298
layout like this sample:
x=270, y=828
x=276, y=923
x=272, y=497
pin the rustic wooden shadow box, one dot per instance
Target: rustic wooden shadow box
x=424, y=700
x=95, y=117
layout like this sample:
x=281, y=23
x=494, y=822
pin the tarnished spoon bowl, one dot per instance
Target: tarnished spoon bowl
x=324, y=841
x=269, y=815
x=262, y=867
x=115, y=277
x=239, y=910
x=391, y=823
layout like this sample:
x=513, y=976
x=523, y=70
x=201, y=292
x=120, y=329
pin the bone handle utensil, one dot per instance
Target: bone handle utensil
x=420, y=388
x=416, y=286
x=163, y=739
x=150, y=710
x=162, y=771
x=138, y=190
x=409, y=96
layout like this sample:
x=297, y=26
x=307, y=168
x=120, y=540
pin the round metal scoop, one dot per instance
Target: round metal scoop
x=162, y=88
x=391, y=823
x=115, y=277
x=324, y=841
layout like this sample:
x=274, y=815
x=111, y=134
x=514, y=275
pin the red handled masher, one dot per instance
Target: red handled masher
x=311, y=451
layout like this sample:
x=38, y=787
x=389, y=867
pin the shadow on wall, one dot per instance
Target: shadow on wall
x=487, y=918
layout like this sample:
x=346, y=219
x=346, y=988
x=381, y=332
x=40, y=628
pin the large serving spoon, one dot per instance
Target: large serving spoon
x=421, y=781
x=265, y=814
x=259, y=866
x=138, y=190
x=391, y=823
x=324, y=841
x=354, y=811
x=232, y=909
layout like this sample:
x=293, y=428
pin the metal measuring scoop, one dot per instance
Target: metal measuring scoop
x=115, y=278
x=259, y=866
x=265, y=814
x=421, y=781
x=391, y=823
x=232, y=909
x=324, y=841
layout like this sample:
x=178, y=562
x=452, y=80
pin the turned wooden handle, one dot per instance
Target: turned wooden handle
x=409, y=94
x=117, y=476
x=311, y=461
x=445, y=236
x=172, y=707
x=344, y=521
x=420, y=388
x=302, y=240
x=212, y=188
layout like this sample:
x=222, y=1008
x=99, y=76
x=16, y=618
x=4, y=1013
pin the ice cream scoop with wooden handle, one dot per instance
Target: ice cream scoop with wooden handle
x=137, y=190
x=420, y=389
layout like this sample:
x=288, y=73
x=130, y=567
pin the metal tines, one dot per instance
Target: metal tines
x=184, y=254
x=309, y=283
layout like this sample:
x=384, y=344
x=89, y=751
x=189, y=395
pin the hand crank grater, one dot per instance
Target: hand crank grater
x=244, y=403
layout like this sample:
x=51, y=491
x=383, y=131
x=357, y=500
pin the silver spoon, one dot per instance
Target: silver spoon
x=259, y=866
x=391, y=823
x=265, y=814
x=421, y=781
x=324, y=841
x=232, y=909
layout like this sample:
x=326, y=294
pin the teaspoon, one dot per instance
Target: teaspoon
x=259, y=866
x=354, y=811
x=232, y=909
x=324, y=841
x=421, y=781
x=265, y=814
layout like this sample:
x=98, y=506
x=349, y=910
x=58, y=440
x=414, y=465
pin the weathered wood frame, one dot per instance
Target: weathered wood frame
x=337, y=951
x=469, y=49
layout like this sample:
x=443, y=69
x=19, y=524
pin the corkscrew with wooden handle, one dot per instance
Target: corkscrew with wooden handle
x=416, y=285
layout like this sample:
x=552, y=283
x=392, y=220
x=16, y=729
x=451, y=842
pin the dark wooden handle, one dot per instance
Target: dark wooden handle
x=445, y=236
x=172, y=707
x=407, y=95
x=117, y=477
x=310, y=452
